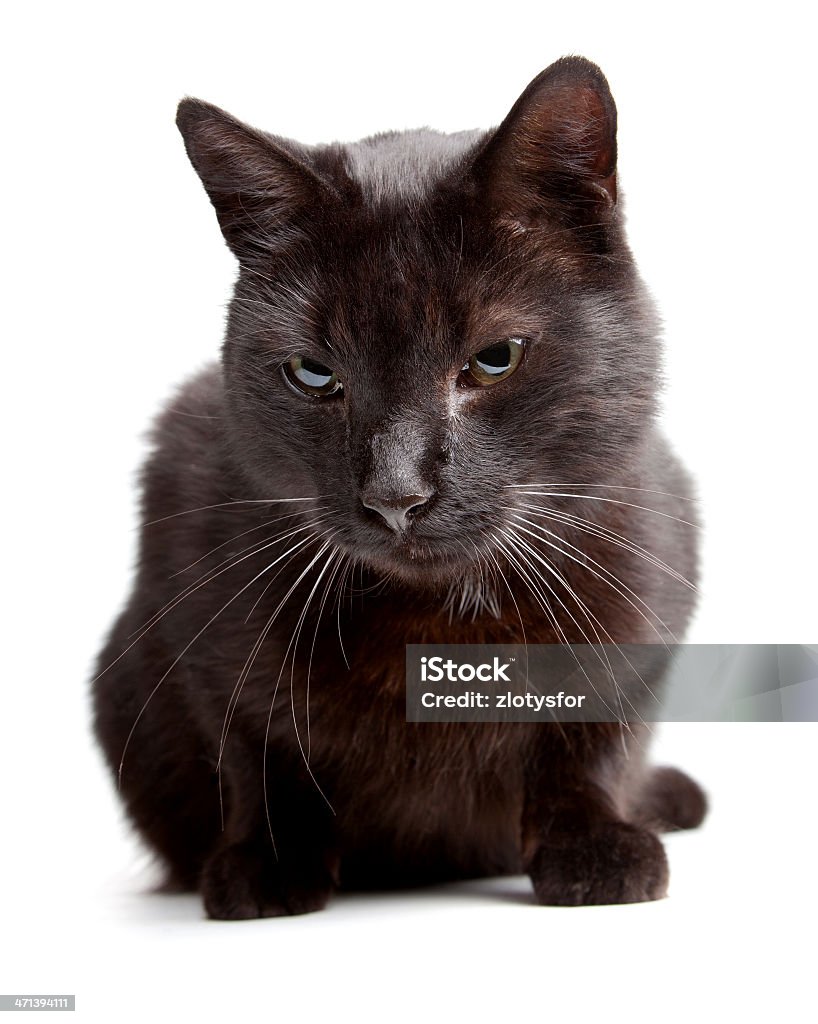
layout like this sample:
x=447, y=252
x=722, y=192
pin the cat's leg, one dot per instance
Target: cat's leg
x=270, y=866
x=162, y=768
x=578, y=847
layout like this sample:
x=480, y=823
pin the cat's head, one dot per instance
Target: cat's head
x=422, y=321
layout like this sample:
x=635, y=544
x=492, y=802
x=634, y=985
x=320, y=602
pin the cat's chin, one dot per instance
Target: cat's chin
x=417, y=564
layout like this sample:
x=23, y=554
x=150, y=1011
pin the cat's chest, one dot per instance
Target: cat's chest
x=408, y=780
x=359, y=733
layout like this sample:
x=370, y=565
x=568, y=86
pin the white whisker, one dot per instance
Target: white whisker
x=583, y=562
x=251, y=658
x=225, y=504
x=612, y=501
x=543, y=602
x=179, y=657
x=613, y=487
x=516, y=544
x=606, y=533
x=593, y=621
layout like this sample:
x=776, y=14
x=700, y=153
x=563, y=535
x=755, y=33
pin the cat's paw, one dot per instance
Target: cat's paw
x=670, y=800
x=245, y=880
x=615, y=863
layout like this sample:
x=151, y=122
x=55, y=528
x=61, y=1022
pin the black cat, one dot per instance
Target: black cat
x=434, y=421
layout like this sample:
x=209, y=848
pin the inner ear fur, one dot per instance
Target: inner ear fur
x=260, y=186
x=555, y=153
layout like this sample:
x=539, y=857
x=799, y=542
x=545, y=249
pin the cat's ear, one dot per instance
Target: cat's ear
x=555, y=154
x=258, y=185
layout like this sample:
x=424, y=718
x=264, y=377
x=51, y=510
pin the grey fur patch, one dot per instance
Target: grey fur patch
x=405, y=165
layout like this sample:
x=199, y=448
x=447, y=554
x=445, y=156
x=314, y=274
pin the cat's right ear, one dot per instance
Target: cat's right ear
x=258, y=185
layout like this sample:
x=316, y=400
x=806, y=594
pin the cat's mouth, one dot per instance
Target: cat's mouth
x=429, y=551
x=414, y=558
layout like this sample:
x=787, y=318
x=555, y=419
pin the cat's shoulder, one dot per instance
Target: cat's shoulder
x=186, y=459
x=186, y=474
x=194, y=412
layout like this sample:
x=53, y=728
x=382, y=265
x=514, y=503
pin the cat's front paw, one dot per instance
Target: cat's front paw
x=245, y=880
x=614, y=863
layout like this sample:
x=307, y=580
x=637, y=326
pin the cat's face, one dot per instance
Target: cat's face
x=424, y=322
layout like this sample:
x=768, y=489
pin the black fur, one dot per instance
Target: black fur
x=392, y=261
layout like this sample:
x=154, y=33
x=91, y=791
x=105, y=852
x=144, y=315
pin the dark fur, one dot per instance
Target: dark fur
x=393, y=260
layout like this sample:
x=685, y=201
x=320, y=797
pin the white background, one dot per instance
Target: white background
x=116, y=281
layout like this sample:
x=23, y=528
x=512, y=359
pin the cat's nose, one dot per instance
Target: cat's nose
x=396, y=511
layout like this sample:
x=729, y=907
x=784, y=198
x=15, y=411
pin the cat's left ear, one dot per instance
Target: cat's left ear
x=262, y=188
x=554, y=156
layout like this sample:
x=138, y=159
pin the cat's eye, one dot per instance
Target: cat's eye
x=311, y=378
x=493, y=364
